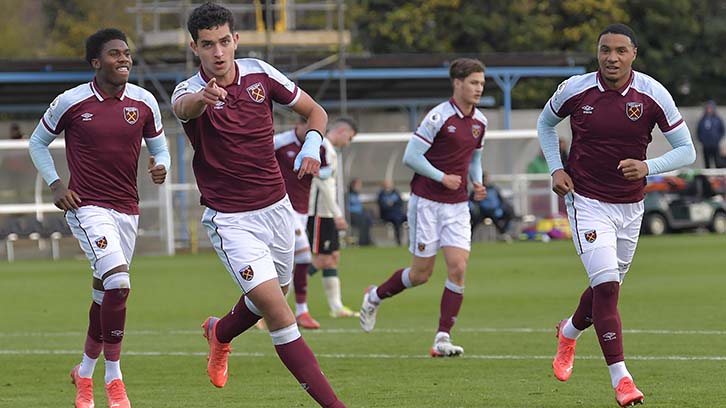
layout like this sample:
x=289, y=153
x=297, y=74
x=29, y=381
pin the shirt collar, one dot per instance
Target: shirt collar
x=623, y=90
x=458, y=111
x=120, y=95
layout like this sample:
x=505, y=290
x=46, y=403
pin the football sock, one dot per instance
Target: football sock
x=113, y=321
x=570, y=331
x=94, y=333
x=331, y=285
x=300, y=282
x=373, y=295
x=607, y=321
x=582, y=319
x=301, y=362
x=392, y=286
x=451, y=301
x=300, y=308
x=113, y=371
x=617, y=372
x=88, y=364
x=234, y=323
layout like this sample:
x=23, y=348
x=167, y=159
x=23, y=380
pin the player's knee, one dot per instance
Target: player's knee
x=117, y=280
x=420, y=276
x=604, y=276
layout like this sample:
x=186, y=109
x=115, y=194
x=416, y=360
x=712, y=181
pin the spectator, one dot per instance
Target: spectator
x=390, y=206
x=359, y=217
x=710, y=132
x=15, y=132
x=494, y=207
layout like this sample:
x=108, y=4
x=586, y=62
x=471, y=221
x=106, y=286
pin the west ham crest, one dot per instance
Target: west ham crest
x=590, y=236
x=256, y=92
x=476, y=131
x=421, y=247
x=247, y=273
x=102, y=243
x=634, y=110
x=131, y=114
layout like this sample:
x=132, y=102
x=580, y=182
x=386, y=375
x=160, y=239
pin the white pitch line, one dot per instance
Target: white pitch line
x=386, y=331
x=361, y=356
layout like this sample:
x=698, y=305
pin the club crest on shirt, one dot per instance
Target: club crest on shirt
x=476, y=131
x=131, y=114
x=247, y=273
x=634, y=110
x=421, y=247
x=256, y=92
x=102, y=243
x=590, y=236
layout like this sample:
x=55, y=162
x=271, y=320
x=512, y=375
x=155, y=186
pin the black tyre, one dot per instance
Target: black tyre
x=655, y=224
x=718, y=223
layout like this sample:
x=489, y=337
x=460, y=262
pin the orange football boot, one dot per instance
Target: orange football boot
x=116, y=394
x=565, y=357
x=627, y=394
x=84, y=389
x=218, y=353
x=307, y=322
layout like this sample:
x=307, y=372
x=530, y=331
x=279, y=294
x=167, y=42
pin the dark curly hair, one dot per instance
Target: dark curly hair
x=94, y=43
x=208, y=16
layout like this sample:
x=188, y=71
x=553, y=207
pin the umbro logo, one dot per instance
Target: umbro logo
x=219, y=105
x=87, y=116
x=451, y=128
x=609, y=336
x=587, y=109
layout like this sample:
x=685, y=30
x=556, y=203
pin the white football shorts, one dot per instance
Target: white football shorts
x=613, y=227
x=433, y=225
x=107, y=237
x=254, y=246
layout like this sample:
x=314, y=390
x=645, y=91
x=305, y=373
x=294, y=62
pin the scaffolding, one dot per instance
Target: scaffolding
x=265, y=28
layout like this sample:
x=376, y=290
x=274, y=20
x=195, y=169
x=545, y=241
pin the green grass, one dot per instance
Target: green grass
x=673, y=296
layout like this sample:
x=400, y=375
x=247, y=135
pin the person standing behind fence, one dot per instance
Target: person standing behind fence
x=612, y=114
x=226, y=112
x=390, y=208
x=444, y=152
x=325, y=217
x=360, y=218
x=104, y=121
x=710, y=132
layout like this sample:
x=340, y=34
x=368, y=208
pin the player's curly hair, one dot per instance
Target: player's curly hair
x=208, y=16
x=461, y=68
x=95, y=43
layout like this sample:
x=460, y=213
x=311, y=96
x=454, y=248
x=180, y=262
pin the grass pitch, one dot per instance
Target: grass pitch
x=672, y=306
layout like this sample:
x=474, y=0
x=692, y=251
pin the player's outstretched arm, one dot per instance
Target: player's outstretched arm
x=192, y=105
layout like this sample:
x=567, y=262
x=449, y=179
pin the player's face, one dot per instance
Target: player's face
x=469, y=89
x=343, y=136
x=215, y=48
x=615, y=57
x=114, y=63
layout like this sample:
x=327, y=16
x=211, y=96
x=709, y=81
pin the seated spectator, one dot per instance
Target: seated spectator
x=390, y=207
x=359, y=217
x=494, y=207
